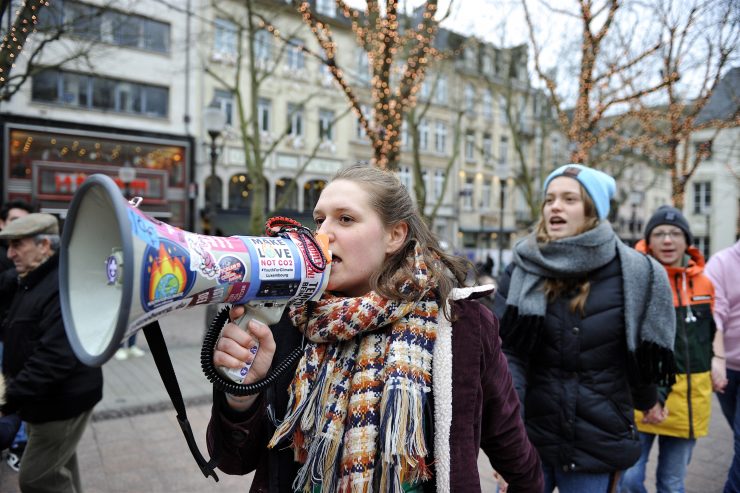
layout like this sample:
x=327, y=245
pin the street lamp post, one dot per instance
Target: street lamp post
x=127, y=174
x=502, y=195
x=214, y=121
x=707, y=227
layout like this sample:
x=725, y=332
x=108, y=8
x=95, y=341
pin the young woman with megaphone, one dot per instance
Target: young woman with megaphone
x=402, y=379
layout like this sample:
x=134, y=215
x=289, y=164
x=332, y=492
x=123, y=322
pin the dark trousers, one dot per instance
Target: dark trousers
x=49, y=462
x=730, y=403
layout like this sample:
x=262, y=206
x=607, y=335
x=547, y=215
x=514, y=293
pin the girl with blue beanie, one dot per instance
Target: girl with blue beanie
x=588, y=328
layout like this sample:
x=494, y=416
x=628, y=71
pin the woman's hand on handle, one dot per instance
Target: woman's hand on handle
x=234, y=348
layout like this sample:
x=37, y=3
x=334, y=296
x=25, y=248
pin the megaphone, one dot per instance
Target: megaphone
x=120, y=270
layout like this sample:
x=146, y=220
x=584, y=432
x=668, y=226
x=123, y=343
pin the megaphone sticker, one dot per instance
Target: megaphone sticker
x=164, y=276
x=231, y=270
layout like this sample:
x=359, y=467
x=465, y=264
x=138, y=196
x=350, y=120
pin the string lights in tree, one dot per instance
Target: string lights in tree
x=380, y=34
x=603, y=86
x=26, y=19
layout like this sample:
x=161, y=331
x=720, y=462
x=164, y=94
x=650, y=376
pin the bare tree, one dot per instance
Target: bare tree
x=414, y=117
x=31, y=45
x=610, y=76
x=397, y=57
x=700, y=40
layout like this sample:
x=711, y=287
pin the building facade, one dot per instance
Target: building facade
x=477, y=123
x=137, y=96
x=112, y=93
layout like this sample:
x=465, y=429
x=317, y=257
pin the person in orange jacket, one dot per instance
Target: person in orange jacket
x=683, y=413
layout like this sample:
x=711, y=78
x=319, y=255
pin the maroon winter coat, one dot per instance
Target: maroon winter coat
x=485, y=415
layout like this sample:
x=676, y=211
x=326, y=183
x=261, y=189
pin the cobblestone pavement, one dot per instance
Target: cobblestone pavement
x=134, y=443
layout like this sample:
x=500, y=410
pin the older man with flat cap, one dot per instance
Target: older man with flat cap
x=47, y=385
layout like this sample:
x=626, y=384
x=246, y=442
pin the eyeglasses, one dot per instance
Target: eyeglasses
x=661, y=235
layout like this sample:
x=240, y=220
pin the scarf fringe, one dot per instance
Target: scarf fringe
x=655, y=364
x=402, y=432
x=320, y=466
x=520, y=333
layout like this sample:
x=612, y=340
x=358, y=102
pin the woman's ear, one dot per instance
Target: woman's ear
x=398, y=234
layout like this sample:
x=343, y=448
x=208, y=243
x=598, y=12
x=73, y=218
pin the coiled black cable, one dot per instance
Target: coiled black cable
x=227, y=386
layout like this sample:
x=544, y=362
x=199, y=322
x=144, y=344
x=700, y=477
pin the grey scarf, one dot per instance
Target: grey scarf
x=649, y=317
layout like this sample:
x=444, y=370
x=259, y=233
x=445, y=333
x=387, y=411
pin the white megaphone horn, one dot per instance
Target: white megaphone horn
x=120, y=270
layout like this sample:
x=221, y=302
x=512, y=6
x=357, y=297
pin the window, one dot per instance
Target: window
x=423, y=134
x=326, y=125
x=404, y=134
x=503, y=118
x=264, y=110
x=82, y=20
x=136, y=32
x=440, y=137
x=485, y=194
x=295, y=120
x=470, y=146
x=225, y=100
x=82, y=91
x=487, y=148
x=311, y=191
x=404, y=176
x=702, y=197
x=103, y=94
x=224, y=38
x=439, y=181
x=326, y=7
x=286, y=186
x=75, y=89
x=470, y=58
x=263, y=46
x=487, y=64
x=363, y=65
x=426, y=89
x=360, y=130
x=503, y=151
x=703, y=244
x=128, y=97
x=555, y=149
x=467, y=194
x=469, y=99
x=98, y=24
x=44, y=86
x=295, y=58
x=440, y=93
x=487, y=105
x=156, y=101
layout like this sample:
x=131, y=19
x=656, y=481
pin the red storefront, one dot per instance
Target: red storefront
x=45, y=165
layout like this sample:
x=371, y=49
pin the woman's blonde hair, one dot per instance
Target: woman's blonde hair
x=392, y=202
x=555, y=288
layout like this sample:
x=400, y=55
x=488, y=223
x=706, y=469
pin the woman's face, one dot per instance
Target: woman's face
x=564, y=211
x=357, y=238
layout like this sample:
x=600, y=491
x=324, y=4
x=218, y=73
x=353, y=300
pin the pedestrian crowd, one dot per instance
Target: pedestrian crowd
x=565, y=370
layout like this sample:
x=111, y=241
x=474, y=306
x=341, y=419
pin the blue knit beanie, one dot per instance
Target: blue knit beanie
x=600, y=186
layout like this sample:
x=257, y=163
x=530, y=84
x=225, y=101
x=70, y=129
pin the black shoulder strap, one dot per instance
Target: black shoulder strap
x=162, y=359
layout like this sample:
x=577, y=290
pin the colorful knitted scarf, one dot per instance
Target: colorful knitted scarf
x=356, y=404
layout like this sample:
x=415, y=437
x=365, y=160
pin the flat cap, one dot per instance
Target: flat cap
x=30, y=225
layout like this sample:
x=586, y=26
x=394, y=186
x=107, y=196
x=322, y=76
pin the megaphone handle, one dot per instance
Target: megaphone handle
x=268, y=315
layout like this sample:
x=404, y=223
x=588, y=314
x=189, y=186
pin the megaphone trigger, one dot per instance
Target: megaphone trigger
x=267, y=313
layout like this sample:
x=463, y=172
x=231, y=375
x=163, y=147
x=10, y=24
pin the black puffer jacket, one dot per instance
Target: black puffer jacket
x=575, y=385
x=46, y=381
